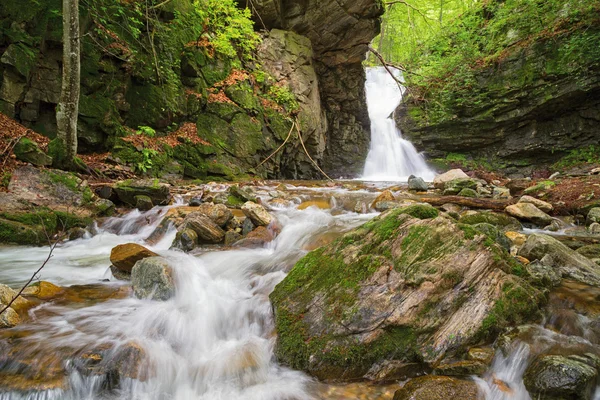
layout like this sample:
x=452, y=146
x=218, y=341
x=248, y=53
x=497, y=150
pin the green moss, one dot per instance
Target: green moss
x=38, y=227
x=492, y=218
x=57, y=149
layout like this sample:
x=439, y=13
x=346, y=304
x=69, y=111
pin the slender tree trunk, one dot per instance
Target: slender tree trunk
x=68, y=106
x=441, y=11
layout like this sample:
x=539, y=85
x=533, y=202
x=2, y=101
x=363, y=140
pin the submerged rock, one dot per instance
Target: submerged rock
x=257, y=214
x=437, y=388
x=569, y=263
x=124, y=256
x=529, y=212
x=153, y=277
x=409, y=286
x=560, y=377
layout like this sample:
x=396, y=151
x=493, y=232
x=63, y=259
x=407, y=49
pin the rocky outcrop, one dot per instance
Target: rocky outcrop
x=407, y=287
x=340, y=32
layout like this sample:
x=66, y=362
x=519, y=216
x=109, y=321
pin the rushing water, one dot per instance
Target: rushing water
x=213, y=340
x=391, y=157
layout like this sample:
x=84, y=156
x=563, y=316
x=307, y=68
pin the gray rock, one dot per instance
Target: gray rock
x=242, y=193
x=455, y=186
x=257, y=214
x=593, y=216
x=432, y=387
x=554, y=376
x=594, y=228
x=158, y=192
x=417, y=184
x=569, y=263
x=195, y=201
x=543, y=274
x=28, y=151
x=186, y=240
x=529, y=212
x=205, y=228
x=153, y=277
x=541, y=204
x=247, y=226
x=143, y=203
x=439, y=182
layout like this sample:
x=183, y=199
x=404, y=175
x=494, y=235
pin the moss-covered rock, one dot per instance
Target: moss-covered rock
x=158, y=192
x=28, y=151
x=409, y=286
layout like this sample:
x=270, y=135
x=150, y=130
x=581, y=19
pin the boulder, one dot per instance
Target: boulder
x=543, y=274
x=417, y=184
x=501, y=193
x=385, y=196
x=593, y=216
x=186, y=240
x=439, y=182
x=482, y=354
x=159, y=193
x=242, y=193
x=205, y=228
x=257, y=238
x=590, y=251
x=437, y=388
x=594, y=228
x=221, y=215
x=569, y=263
x=143, y=202
x=466, y=192
x=7, y=294
x=562, y=377
x=541, y=204
x=257, y=214
x=43, y=290
x=528, y=212
x=455, y=186
x=9, y=317
x=153, y=277
x=231, y=237
x=27, y=150
x=124, y=256
x=495, y=234
x=410, y=286
x=499, y=220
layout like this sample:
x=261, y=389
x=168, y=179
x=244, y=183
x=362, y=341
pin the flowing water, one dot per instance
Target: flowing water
x=391, y=157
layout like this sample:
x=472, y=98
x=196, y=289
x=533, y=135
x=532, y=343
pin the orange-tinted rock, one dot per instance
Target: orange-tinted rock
x=124, y=256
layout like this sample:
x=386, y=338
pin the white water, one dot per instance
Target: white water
x=213, y=340
x=391, y=157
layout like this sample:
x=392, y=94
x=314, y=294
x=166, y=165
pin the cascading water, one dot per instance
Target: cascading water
x=391, y=157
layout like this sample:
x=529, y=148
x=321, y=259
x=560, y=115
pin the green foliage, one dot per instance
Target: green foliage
x=146, y=131
x=284, y=97
x=146, y=163
x=5, y=179
x=586, y=155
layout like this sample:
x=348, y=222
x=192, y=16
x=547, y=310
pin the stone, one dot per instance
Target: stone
x=205, y=228
x=195, y=201
x=517, y=186
x=43, y=290
x=257, y=214
x=437, y=388
x=451, y=208
x=152, y=278
x=7, y=294
x=494, y=233
x=385, y=196
x=590, y=251
x=257, y=238
x=543, y=274
x=517, y=238
x=143, y=203
x=482, y=354
x=159, y=193
x=231, y=237
x=556, y=376
x=569, y=263
x=244, y=194
x=9, y=318
x=417, y=184
x=186, y=240
x=410, y=286
x=119, y=275
x=439, y=182
x=466, y=192
x=221, y=215
x=594, y=228
x=501, y=193
x=77, y=233
x=593, y=216
x=124, y=256
x=539, y=188
x=529, y=212
x=499, y=220
x=113, y=363
x=461, y=368
x=455, y=186
x=27, y=150
x=541, y=204
x=247, y=226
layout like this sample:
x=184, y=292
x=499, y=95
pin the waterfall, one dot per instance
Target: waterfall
x=391, y=157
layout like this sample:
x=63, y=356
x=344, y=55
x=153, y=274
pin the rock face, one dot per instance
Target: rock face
x=554, y=376
x=340, y=32
x=437, y=388
x=153, y=277
x=409, y=286
x=553, y=253
x=124, y=256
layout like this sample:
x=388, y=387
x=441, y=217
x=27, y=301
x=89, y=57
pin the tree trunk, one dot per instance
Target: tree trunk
x=68, y=106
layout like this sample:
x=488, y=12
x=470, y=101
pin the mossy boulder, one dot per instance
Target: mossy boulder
x=28, y=151
x=499, y=220
x=159, y=193
x=409, y=286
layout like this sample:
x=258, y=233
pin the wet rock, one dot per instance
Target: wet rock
x=461, y=368
x=143, y=203
x=591, y=251
x=482, y=354
x=466, y=192
x=437, y=388
x=205, y=228
x=439, y=182
x=541, y=204
x=551, y=252
x=394, y=371
x=120, y=275
x=593, y=216
x=385, y=196
x=257, y=238
x=124, y=256
x=27, y=150
x=594, y=228
x=455, y=186
x=7, y=294
x=247, y=226
x=159, y=193
x=417, y=184
x=153, y=277
x=220, y=214
x=77, y=233
x=410, y=286
x=543, y=274
x=554, y=376
x=186, y=240
x=244, y=194
x=529, y=212
x=502, y=221
x=43, y=290
x=257, y=214
x=195, y=201
x=231, y=237
x=9, y=317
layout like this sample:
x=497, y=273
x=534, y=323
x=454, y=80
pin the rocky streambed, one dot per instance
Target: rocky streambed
x=301, y=290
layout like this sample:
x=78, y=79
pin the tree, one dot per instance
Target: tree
x=65, y=145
